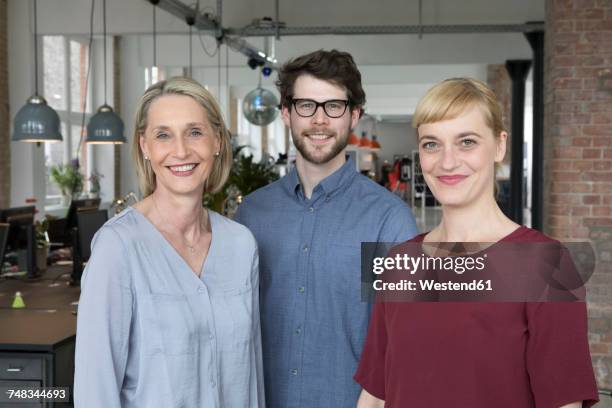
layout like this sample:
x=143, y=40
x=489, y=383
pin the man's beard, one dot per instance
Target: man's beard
x=340, y=143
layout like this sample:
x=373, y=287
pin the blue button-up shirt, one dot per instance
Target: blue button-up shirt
x=313, y=320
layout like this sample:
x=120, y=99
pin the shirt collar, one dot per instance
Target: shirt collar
x=329, y=184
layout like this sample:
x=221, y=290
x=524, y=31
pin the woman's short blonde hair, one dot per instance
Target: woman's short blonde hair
x=450, y=98
x=188, y=87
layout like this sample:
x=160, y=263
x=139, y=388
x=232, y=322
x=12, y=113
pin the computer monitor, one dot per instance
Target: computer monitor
x=88, y=223
x=18, y=218
x=4, y=230
x=87, y=204
x=20, y=234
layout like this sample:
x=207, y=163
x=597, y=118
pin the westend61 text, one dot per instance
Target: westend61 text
x=428, y=284
x=411, y=264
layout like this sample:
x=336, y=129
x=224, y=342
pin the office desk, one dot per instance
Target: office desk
x=37, y=343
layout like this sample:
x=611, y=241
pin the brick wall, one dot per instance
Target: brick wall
x=500, y=82
x=5, y=120
x=578, y=149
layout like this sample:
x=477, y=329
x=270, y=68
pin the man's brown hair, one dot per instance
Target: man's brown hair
x=335, y=66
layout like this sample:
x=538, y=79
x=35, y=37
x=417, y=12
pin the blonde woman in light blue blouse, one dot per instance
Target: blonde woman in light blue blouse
x=169, y=309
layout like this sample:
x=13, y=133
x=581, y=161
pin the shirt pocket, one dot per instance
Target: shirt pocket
x=234, y=317
x=344, y=271
x=174, y=329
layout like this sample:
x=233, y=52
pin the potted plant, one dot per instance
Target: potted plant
x=245, y=177
x=69, y=180
x=94, y=184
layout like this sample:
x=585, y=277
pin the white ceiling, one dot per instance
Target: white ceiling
x=135, y=16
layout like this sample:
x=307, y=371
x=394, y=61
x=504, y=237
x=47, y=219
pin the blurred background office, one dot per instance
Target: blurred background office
x=71, y=73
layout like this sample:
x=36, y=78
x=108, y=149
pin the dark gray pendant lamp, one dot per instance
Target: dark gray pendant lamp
x=105, y=127
x=36, y=121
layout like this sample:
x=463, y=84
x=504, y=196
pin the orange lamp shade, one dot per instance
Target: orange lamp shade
x=375, y=144
x=353, y=139
x=365, y=142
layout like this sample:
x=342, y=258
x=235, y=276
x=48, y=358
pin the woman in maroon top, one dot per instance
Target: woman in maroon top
x=476, y=355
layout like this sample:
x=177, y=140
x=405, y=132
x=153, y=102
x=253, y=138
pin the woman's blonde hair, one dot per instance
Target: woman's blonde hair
x=188, y=87
x=450, y=98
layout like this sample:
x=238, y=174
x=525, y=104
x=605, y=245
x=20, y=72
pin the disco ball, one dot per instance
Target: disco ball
x=260, y=107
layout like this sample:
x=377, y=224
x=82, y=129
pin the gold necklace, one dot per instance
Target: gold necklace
x=190, y=247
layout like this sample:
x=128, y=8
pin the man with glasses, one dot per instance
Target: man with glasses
x=309, y=226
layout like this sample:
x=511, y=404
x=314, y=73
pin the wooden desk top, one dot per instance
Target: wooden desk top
x=36, y=330
x=47, y=321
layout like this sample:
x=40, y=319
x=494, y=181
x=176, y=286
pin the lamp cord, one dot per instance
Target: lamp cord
x=190, y=51
x=104, y=28
x=154, y=37
x=35, y=50
x=89, y=47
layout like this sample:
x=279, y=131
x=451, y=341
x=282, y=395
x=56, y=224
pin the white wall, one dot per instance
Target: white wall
x=395, y=139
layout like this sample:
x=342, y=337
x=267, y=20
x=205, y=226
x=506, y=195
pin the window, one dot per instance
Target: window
x=65, y=61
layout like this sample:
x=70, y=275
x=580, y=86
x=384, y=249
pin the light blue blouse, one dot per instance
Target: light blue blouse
x=150, y=333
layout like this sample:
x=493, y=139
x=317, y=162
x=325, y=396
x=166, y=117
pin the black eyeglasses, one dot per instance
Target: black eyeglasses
x=334, y=108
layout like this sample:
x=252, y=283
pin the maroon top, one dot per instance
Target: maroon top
x=479, y=355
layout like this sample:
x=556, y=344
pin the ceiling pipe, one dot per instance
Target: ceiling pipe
x=232, y=36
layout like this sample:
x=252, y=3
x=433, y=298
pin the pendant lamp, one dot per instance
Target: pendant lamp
x=375, y=144
x=36, y=121
x=105, y=127
x=353, y=139
x=364, y=142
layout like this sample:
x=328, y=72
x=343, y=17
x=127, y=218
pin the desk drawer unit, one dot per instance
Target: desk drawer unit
x=21, y=368
x=20, y=385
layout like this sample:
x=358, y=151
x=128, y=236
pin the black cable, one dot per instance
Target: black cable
x=104, y=23
x=35, y=50
x=210, y=54
x=154, y=37
x=91, y=22
x=190, y=52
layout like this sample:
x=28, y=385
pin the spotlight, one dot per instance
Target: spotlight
x=266, y=71
x=253, y=63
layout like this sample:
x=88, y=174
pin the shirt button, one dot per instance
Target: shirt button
x=311, y=209
x=327, y=198
x=201, y=290
x=211, y=337
x=305, y=248
x=301, y=289
x=298, y=331
x=213, y=383
x=294, y=371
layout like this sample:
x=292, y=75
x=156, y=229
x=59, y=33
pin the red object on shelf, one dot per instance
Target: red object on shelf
x=353, y=139
x=365, y=142
x=375, y=145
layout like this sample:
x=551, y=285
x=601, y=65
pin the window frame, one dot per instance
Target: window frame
x=68, y=117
